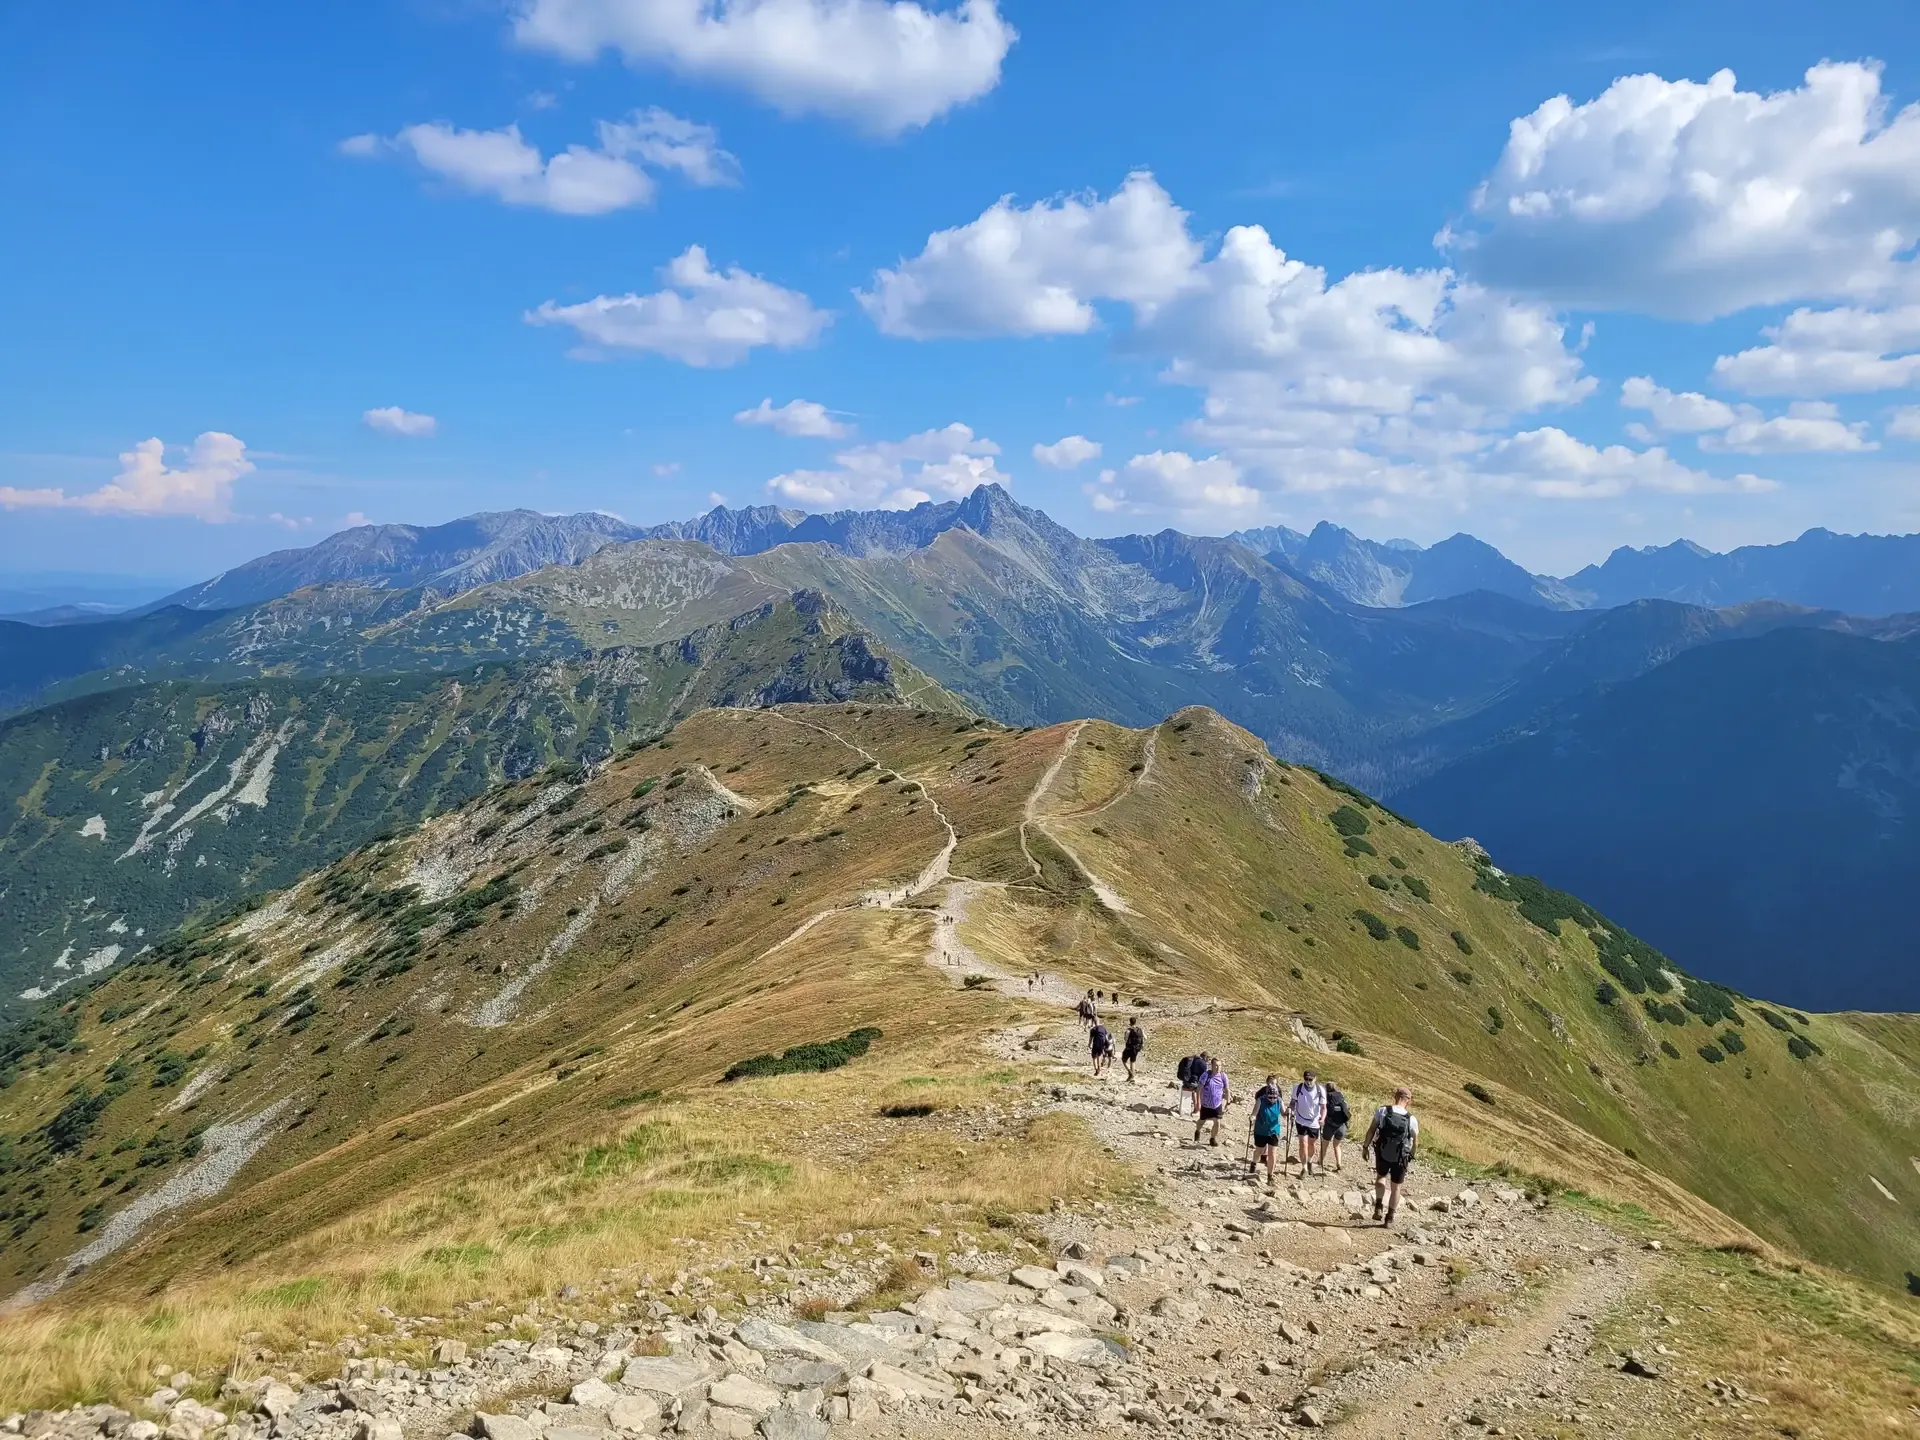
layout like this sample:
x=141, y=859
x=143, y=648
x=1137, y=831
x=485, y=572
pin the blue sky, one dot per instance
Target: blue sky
x=300, y=248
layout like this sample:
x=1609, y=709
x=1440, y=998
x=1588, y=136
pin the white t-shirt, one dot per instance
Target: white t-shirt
x=1309, y=1104
x=1413, y=1121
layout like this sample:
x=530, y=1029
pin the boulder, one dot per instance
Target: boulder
x=1074, y=1349
x=664, y=1375
x=558, y=1432
x=449, y=1352
x=635, y=1414
x=593, y=1395
x=377, y=1427
x=1032, y=1277
x=1085, y=1276
x=730, y=1424
x=743, y=1392
x=853, y=1345
x=501, y=1427
x=776, y=1341
x=1177, y=1307
x=275, y=1400
x=787, y=1423
x=898, y=1384
x=804, y=1374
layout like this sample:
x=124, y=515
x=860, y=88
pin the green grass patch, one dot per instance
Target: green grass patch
x=817, y=1056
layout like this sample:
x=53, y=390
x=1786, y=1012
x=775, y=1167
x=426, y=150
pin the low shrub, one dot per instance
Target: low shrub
x=1733, y=1042
x=1478, y=1092
x=1772, y=1019
x=1462, y=944
x=1800, y=1047
x=1464, y=977
x=1347, y=1045
x=1407, y=937
x=817, y=1056
x=1356, y=847
x=1496, y=1022
x=1379, y=882
x=1667, y=1049
x=1376, y=927
x=1605, y=993
x=977, y=982
x=1349, y=821
x=914, y=1111
x=1712, y=1054
x=1417, y=887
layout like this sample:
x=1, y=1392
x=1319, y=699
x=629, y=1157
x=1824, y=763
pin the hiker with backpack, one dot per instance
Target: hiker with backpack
x=1334, y=1129
x=1101, y=1043
x=1136, y=1042
x=1269, y=1116
x=1309, y=1107
x=1215, y=1096
x=1391, y=1141
x=1087, y=1011
x=1190, y=1069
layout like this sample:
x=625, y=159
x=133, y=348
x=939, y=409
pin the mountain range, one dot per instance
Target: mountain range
x=998, y=609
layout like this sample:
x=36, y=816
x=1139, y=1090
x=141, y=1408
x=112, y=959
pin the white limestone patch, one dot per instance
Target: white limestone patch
x=1883, y=1189
x=95, y=828
x=64, y=960
x=236, y=768
x=119, y=925
x=316, y=965
x=99, y=959
x=163, y=807
x=254, y=792
x=195, y=1086
x=224, y=1150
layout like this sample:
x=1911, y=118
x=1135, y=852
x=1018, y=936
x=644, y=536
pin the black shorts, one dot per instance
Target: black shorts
x=1306, y=1132
x=1336, y=1132
x=1211, y=1112
x=1394, y=1170
x=1266, y=1142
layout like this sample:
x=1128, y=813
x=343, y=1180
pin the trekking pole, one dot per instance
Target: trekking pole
x=1251, y=1165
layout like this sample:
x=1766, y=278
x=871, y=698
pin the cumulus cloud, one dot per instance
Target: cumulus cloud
x=1554, y=465
x=579, y=180
x=392, y=420
x=1067, y=453
x=704, y=317
x=806, y=418
x=1808, y=427
x=1904, y=423
x=1174, y=482
x=1693, y=200
x=1036, y=271
x=887, y=65
x=1843, y=351
x=1684, y=412
x=201, y=488
x=896, y=474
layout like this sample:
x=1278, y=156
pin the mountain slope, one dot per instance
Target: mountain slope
x=480, y=997
x=1750, y=804
x=135, y=809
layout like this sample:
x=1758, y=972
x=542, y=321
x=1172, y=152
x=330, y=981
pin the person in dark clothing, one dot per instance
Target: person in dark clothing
x=1135, y=1042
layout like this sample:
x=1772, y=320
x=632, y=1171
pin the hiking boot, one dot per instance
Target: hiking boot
x=1376, y=1209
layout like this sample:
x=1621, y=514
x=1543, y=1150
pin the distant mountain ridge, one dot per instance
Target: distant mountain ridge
x=1859, y=574
x=1855, y=574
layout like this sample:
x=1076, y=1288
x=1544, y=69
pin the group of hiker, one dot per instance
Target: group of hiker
x=1310, y=1116
x=1100, y=1038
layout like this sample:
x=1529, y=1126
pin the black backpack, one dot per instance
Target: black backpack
x=1393, y=1142
x=1337, y=1112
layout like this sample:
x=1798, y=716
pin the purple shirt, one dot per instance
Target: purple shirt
x=1213, y=1090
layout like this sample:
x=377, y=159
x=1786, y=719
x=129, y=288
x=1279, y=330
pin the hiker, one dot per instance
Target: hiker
x=1309, y=1113
x=1269, y=1115
x=1391, y=1141
x=1215, y=1096
x=1136, y=1041
x=1086, y=1011
x=1192, y=1068
x=1102, y=1045
x=1334, y=1129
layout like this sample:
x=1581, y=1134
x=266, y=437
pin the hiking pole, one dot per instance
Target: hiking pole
x=1252, y=1166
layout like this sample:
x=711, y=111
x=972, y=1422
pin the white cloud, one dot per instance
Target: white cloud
x=897, y=474
x=705, y=317
x=664, y=141
x=1694, y=200
x=1552, y=464
x=1843, y=351
x=664, y=469
x=1173, y=482
x=354, y=519
x=1067, y=453
x=392, y=420
x=1037, y=271
x=1684, y=412
x=578, y=180
x=1809, y=426
x=501, y=163
x=888, y=65
x=1904, y=424
x=202, y=488
x=806, y=418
